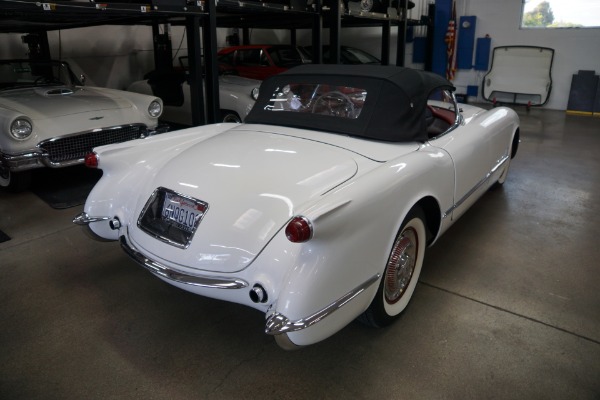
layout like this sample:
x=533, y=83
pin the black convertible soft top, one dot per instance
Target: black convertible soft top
x=393, y=109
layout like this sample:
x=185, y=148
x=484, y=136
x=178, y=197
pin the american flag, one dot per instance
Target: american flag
x=451, y=44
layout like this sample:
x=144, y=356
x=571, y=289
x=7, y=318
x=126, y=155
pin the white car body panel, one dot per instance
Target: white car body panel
x=519, y=75
x=34, y=102
x=250, y=206
x=474, y=157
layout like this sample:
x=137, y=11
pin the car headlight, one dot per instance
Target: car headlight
x=254, y=93
x=21, y=128
x=155, y=109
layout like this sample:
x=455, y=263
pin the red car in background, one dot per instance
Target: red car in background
x=261, y=61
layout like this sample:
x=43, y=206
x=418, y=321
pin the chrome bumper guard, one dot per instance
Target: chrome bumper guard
x=195, y=280
x=278, y=324
x=85, y=219
x=21, y=162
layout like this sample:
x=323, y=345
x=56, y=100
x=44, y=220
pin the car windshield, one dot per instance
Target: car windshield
x=322, y=99
x=442, y=98
x=17, y=74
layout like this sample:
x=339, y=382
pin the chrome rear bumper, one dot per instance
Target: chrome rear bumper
x=213, y=282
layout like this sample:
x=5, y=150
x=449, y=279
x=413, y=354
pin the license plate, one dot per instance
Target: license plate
x=182, y=212
x=172, y=217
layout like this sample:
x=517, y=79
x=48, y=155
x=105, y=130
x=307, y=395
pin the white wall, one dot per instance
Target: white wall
x=574, y=49
x=115, y=56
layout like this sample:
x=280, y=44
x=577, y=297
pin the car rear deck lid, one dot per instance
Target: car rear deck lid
x=252, y=183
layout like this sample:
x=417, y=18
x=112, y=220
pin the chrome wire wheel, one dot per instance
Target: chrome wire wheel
x=401, y=272
x=404, y=265
x=400, y=266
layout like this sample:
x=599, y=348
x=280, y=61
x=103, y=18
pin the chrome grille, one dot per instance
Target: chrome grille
x=77, y=146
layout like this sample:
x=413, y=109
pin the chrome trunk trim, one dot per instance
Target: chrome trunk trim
x=212, y=282
x=278, y=323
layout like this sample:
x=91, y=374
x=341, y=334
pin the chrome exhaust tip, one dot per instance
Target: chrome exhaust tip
x=258, y=294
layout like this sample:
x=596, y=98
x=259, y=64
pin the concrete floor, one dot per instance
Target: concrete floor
x=508, y=306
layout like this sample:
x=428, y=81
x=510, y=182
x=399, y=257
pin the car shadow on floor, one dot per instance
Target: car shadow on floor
x=65, y=187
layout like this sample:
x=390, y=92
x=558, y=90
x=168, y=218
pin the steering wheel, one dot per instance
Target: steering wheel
x=334, y=103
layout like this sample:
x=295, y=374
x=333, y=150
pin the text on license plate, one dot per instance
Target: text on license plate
x=181, y=211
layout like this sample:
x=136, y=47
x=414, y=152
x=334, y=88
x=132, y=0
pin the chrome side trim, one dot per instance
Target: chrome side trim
x=163, y=271
x=476, y=187
x=85, y=219
x=278, y=323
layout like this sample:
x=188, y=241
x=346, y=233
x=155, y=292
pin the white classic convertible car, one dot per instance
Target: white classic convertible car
x=48, y=119
x=318, y=209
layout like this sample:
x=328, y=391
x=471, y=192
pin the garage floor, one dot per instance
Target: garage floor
x=508, y=306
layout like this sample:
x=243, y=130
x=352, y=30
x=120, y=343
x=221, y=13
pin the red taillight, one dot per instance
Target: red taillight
x=91, y=160
x=299, y=230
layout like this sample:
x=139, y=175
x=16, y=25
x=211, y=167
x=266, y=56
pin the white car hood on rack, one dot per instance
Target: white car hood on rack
x=253, y=182
x=65, y=101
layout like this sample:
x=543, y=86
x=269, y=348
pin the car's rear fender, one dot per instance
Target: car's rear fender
x=354, y=229
x=126, y=170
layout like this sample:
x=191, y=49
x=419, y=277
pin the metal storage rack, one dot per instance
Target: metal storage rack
x=36, y=18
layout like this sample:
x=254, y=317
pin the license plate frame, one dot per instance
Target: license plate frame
x=172, y=217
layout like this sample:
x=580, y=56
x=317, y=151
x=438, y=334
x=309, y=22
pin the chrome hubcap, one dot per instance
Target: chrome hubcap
x=401, y=266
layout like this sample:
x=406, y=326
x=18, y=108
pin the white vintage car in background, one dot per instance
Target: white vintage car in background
x=318, y=209
x=236, y=95
x=48, y=119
